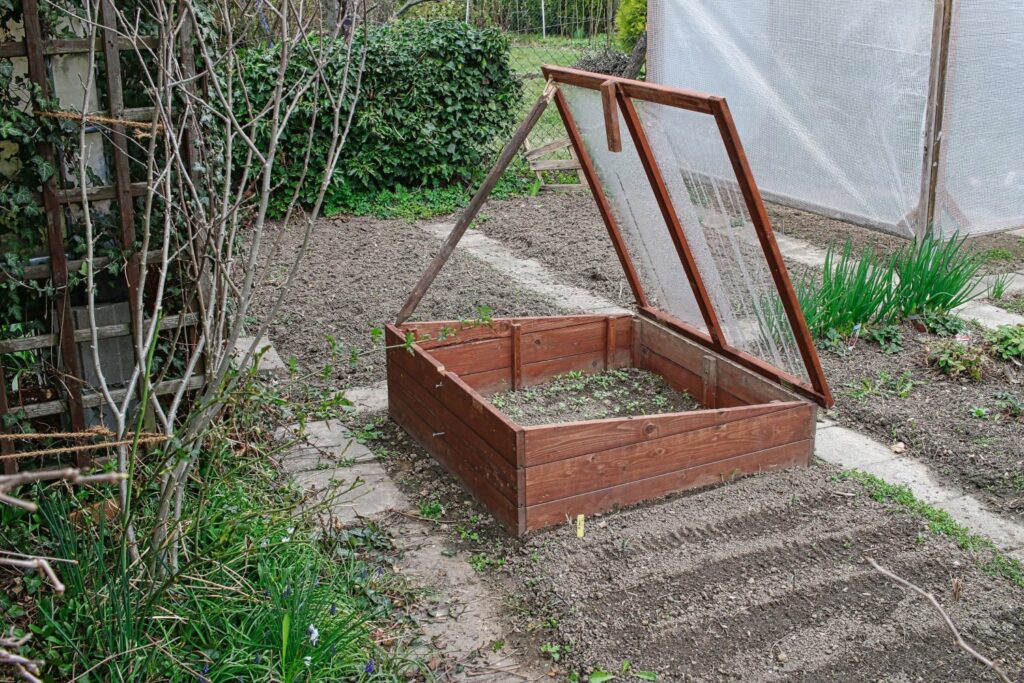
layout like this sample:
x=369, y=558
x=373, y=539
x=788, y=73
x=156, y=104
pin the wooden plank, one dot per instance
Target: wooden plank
x=772, y=254
x=500, y=379
x=679, y=376
x=452, y=435
x=455, y=394
x=611, y=116
x=94, y=400
x=662, y=94
x=603, y=206
x=42, y=271
x=646, y=459
x=557, y=511
x=778, y=377
x=470, y=212
x=571, y=338
x=550, y=443
x=16, y=48
x=672, y=222
x=610, y=344
x=98, y=194
x=6, y=447
x=404, y=414
x=460, y=332
x=83, y=335
x=119, y=145
x=731, y=376
x=55, y=230
x=553, y=146
x=934, y=151
x=554, y=165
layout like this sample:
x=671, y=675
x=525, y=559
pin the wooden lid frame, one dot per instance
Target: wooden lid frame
x=620, y=93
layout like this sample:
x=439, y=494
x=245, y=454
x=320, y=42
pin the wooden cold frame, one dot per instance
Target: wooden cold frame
x=534, y=477
x=755, y=416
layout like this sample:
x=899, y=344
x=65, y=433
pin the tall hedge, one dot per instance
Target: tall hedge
x=436, y=97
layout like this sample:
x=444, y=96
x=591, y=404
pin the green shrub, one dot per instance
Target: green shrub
x=954, y=359
x=631, y=22
x=436, y=96
x=888, y=337
x=935, y=275
x=1007, y=342
x=943, y=324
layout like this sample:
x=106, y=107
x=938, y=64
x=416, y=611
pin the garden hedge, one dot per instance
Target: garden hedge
x=437, y=96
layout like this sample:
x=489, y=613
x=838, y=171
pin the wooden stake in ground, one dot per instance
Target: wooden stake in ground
x=507, y=154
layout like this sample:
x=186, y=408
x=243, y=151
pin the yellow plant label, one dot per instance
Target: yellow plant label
x=580, y=530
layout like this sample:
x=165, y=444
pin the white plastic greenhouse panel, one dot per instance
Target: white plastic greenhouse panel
x=895, y=115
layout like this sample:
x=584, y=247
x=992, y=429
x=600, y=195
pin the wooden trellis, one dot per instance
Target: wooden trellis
x=36, y=48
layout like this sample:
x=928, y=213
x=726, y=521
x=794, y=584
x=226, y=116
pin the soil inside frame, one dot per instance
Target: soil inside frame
x=576, y=397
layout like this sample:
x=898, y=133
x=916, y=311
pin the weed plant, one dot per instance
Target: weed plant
x=935, y=276
x=1007, y=342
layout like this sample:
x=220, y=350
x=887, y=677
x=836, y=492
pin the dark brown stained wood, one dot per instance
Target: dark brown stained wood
x=119, y=142
x=6, y=447
x=595, y=471
x=603, y=207
x=611, y=116
x=772, y=254
x=680, y=377
x=493, y=381
x=710, y=394
x=551, y=443
x=451, y=432
x=457, y=332
x=662, y=94
x=778, y=377
x=573, y=337
x=517, y=356
x=554, y=165
x=684, y=352
x=610, y=345
x=555, y=512
x=485, y=420
x=406, y=415
x=55, y=231
x=470, y=212
x=668, y=212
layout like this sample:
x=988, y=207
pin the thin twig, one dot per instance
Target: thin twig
x=949, y=622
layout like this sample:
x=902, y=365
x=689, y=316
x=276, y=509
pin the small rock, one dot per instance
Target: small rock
x=782, y=657
x=899, y=447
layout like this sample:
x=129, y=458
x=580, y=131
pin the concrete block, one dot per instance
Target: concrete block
x=270, y=363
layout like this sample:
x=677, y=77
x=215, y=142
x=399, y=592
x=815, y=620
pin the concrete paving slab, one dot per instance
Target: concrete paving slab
x=527, y=272
x=850, y=449
x=371, y=399
x=363, y=490
x=988, y=315
x=270, y=363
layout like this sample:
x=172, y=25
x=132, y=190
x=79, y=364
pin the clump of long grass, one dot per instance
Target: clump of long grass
x=934, y=276
x=925, y=276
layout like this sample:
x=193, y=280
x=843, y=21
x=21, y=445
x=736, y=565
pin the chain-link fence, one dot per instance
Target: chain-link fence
x=559, y=32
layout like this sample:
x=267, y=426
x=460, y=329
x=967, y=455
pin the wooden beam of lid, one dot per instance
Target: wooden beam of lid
x=611, y=116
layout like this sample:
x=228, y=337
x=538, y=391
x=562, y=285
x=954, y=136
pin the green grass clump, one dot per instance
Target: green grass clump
x=927, y=277
x=935, y=276
x=992, y=561
x=851, y=290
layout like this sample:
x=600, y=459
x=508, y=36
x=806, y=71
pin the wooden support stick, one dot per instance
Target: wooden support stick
x=609, y=342
x=710, y=397
x=507, y=154
x=611, y=116
x=517, y=356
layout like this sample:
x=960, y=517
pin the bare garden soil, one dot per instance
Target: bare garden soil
x=626, y=392
x=761, y=579
x=936, y=418
x=355, y=277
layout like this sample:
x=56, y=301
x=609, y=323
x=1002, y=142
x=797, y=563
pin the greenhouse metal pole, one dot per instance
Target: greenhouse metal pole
x=475, y=204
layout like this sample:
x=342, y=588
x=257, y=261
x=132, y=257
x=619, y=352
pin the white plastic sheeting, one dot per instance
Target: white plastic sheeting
x=981, y=159
x=711, y=209
x=831, y=101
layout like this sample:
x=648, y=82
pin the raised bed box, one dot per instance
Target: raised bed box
x=533, y=477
